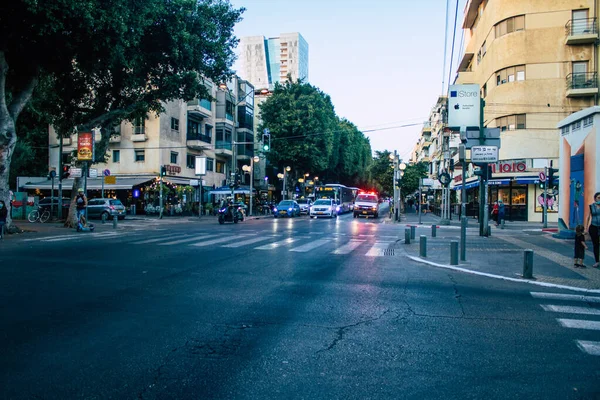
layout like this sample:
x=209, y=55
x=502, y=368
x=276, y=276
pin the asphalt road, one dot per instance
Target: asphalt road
x=274, y=309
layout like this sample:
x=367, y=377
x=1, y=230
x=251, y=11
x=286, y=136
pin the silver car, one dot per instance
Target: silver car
x=305, y=205
x=105, y=209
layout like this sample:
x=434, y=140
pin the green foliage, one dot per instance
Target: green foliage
x=412, y=174
x=309, y=137
x=382, y=173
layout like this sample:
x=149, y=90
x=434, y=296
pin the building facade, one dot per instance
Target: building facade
x=536, y=63
x=173, y=139
x=267, y=61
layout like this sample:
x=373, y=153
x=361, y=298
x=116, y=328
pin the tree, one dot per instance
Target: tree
x=354, y=155
x=382, y=173
x=412, y=175
x=107, y=61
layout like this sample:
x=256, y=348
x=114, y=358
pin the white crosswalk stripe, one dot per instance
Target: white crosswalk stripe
x=247, y=242
x=215, y=241
x=274, y=245
x=586, y=307
x=377, y=250
x=348, y=247
x=310, y=245
x=187, y=240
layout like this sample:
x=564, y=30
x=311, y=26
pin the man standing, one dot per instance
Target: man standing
x=81, y=203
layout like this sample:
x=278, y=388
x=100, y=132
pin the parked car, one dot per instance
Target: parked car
x=105, y=208
x=287, y=208
x=305, y=205
x=324, y=208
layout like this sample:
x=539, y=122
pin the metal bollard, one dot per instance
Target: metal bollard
x=115, y=219
x=502, y=223
x=454, y=252
x=423, y=246
x=528, y=264
x=488, y=232
x=463, y=238
x=406, y=236
x=433, y=230
x=413, y=232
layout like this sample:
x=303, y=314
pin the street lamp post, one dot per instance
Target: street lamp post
x=402, y=167
x=253, y=160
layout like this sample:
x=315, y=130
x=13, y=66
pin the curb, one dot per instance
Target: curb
x=504, y=278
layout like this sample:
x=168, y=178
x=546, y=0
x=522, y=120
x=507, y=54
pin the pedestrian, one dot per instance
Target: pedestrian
x=501, y=212
x=495, y=213
x=593, y=226
x=81, y=203
x=3, y=216
x=580, y=246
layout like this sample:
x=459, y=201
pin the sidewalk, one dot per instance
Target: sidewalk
x=502, y=254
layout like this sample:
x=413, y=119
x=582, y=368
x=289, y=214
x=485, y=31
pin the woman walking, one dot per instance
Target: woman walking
x=3, y=215
x=593, y=226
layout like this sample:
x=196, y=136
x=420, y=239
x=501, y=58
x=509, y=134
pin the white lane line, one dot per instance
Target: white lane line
x=592, y=348
x=570, y=309
x=247, y=242
x=275, y=245
x=570, y=297
x=189, y=239
x=82, y=235
x=310, y=246
x=377, y=249
x=150, y=240
x=579, y=324
x=50, y=237
x=215, y=241
x=348, y=247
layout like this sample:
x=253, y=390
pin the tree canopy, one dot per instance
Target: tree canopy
x=308, y=136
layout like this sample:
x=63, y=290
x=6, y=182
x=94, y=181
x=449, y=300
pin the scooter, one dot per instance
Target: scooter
x=230, y=214
x=83, y=226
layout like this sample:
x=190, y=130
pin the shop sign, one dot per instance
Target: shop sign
x=509, y=166
x=173, y=169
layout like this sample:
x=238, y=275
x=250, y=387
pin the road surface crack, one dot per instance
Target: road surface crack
x=457, y=295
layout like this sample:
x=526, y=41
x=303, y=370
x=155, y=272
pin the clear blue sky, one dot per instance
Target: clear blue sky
x=379, y=60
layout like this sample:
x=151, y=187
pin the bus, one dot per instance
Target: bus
x=355, y=191
x=340, y=193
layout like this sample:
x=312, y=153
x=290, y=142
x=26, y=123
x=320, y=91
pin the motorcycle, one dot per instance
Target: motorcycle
x=230, y=213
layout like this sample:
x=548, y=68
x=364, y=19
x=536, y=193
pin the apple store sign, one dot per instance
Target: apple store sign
x=463, y=105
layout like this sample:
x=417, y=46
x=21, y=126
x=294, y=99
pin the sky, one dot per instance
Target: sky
x=381, y=61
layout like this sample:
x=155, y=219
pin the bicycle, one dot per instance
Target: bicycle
x=40, y=214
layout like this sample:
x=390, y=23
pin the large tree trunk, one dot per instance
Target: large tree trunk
x=71, y=221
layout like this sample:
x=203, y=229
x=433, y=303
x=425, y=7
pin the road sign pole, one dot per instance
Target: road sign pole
x=545, y=209
x=52, y=200
x=420, y=201
x=102, y=186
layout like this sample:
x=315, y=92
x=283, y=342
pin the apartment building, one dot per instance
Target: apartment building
x=536, y=63
x=267, y=61
x=183, y=131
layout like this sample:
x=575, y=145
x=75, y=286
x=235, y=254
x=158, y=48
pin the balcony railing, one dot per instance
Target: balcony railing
x=199, y=136
x=582, y=26
x=582, y=80
x=221, y=144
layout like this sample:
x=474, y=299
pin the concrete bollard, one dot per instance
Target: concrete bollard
x=423, y=246
x=413, y=232
x=115, y=219
x=454, y=252
x=406, y=236
x=463, y=238
x=528, y=264
x=433, y=231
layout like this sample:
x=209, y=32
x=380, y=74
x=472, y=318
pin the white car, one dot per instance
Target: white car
x=324, y=208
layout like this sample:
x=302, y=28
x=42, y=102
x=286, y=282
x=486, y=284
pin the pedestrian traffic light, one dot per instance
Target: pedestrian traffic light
x=451, y=168
x=266, y=139
x=551, y=176
x=66, y=171
x=542, y=185
x=163, y=170
x=398, y=182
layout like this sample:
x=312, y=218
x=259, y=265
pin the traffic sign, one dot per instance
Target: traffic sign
x=110, y=180
x=75, y=172
x=106, y=172
x=93, y=173
x=427, y=182
x=484, y=154
x=542, y=177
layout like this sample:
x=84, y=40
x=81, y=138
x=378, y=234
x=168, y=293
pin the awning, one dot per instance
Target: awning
x=491, y=182
x=92, y=183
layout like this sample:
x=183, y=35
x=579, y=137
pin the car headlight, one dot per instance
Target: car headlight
x=274, y=209
x=337, y=208
x=374, y=208
x=290, y=209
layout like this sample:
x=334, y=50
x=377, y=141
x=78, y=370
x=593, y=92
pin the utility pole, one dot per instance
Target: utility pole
x=60, y=176
x=483, y=206
x=545, y=207
x=395, y=182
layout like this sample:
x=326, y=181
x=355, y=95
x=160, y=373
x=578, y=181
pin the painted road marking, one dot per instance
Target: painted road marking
x=579, y=324
x=189, y=239
x=310, y=246
x=571, y=310
x=215, y=241
x=246, y=242
x=592, y=348
x=377, y=249
x=570, y=297
x=275, y=245
x=348, y=247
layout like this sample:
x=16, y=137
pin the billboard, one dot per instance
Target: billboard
x=463, y=106
x=85, y=146
x=200, y=165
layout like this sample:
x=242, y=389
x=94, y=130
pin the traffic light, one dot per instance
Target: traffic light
x=551, y=176
x=163, y=170
x=266, y=139
x=398, y=182
x=542, y=185
x=486, y=173
x=66, y=171
x=451, y=168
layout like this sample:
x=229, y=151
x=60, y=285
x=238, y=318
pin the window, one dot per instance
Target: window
x=510, y=25
x=174, y=124
x=564, y=130
x=210, y=164
x=484, y=90
x=588, y=121
x=139, y=126
x=580, y=24
x=190, y=161
x=208, y=130
x=511, y=122
x=140, y=155
x=220, y=167
x=510, y=74
x=576, y=126
x=116, y=156
x=193, y=129
x=174, y=157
